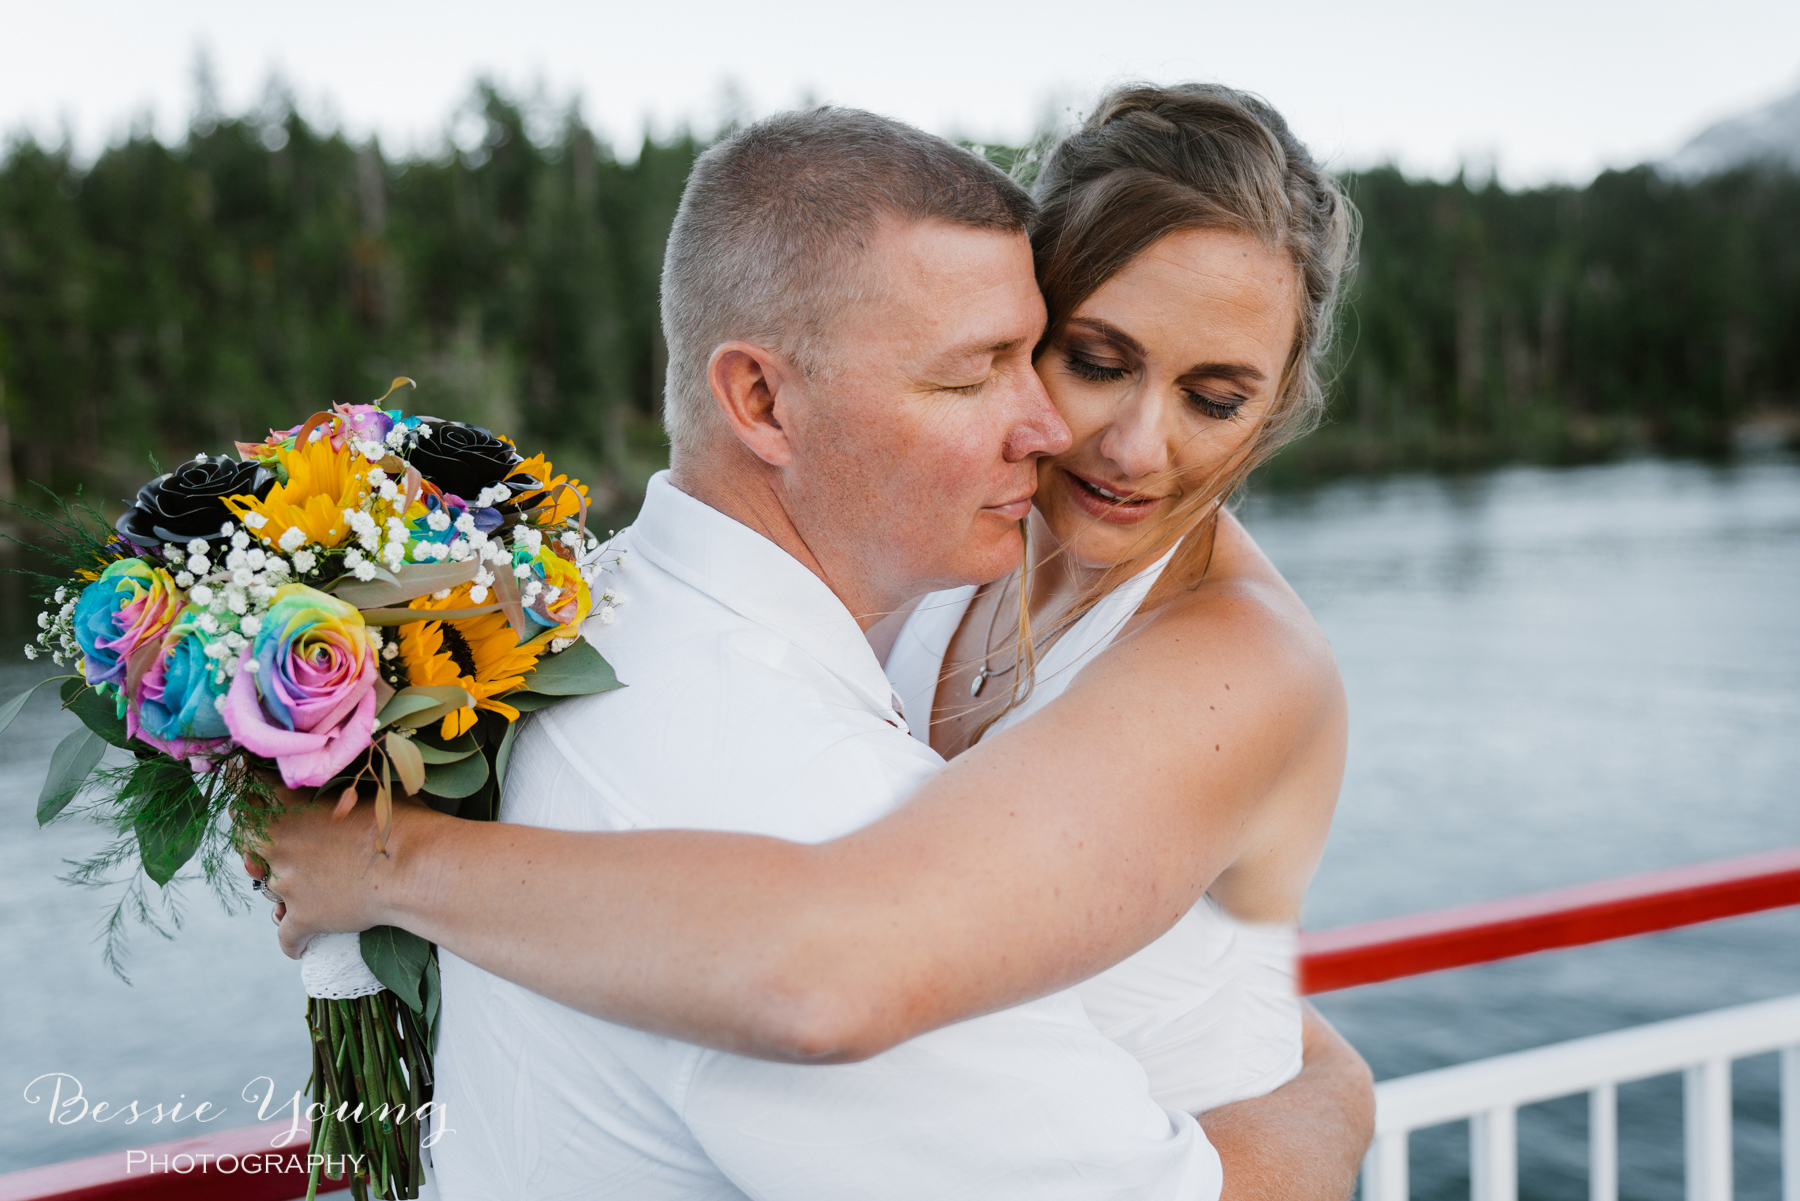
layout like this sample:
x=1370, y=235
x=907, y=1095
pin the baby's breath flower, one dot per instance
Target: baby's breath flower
x=184, y=579
x=305, y=561
x=441, y=594
x=240, y=540
x=31, y=652
x=201, y=595
x=255, y=521
x=292, y=539
x=364, y=571
x=251, y=625
x=391, y=651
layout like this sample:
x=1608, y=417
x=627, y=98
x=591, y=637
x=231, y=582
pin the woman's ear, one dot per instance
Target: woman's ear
x=748, y=381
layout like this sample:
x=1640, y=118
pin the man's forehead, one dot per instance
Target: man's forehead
x=958, y=292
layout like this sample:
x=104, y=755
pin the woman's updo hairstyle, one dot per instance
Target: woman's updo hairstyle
x=1152, y=161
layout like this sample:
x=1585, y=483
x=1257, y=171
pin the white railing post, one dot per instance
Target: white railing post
x=1790, y=1124
x=1494, y=1155
x=1384, y=1169
x=1489, y=1092
x=1603, y=1143
x=1706, y=1117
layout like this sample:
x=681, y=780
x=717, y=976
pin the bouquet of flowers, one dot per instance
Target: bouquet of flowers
x=364, y=602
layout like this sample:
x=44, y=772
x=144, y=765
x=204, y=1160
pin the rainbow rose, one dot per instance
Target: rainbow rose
x=177, y=709
x=131, y=606
x=563, y=600
x=304, y=695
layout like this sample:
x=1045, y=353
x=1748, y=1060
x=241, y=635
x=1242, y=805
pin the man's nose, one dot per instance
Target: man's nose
x=1037, y=428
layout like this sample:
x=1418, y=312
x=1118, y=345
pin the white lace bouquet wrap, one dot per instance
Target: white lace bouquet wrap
x=332, y=968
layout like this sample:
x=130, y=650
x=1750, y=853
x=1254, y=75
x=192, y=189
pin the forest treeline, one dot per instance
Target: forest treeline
x=168, y=298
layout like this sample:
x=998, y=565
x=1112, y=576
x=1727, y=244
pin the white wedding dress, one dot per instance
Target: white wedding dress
x=1210, y=1008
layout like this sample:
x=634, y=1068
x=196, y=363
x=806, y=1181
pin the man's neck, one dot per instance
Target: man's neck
x=750, y=494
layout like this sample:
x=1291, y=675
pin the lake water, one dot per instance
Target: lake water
x=1554, y=676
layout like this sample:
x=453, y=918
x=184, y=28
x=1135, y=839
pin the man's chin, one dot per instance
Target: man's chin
x=995, y=557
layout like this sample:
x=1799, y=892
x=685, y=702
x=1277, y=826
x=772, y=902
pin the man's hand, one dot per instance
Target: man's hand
x=1305, y=1141
x=326, y=871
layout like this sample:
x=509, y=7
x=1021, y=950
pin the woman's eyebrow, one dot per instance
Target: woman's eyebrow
x=1111, y=333
x=1247, y=373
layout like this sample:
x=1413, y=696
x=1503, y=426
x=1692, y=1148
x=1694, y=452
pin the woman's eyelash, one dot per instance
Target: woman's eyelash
x=1218, y=410
x=1094, y=371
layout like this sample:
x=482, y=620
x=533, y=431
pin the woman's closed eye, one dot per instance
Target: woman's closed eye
x=1218, y=408
x=1099, y=373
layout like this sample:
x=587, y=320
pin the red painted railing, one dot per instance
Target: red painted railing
x=1329, y=959
x=1546, y=921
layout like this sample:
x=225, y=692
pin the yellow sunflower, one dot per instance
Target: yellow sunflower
x=321, y=483
x=563, y=501
x=481, y=655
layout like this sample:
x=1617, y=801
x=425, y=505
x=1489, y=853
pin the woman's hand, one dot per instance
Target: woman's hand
x=325, y=870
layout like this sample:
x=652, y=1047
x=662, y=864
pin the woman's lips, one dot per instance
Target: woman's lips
x=1086, y=496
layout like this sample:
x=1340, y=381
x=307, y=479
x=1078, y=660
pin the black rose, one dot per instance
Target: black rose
x=463, y=459
x=189, y=502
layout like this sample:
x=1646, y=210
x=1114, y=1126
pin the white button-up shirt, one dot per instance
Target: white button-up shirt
x=753, y=703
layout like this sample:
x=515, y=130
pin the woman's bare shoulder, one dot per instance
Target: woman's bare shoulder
x=1241, y=619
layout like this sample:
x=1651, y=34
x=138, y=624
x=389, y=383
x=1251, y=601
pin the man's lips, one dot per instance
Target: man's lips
x=1108, y=504
x=1012, y=510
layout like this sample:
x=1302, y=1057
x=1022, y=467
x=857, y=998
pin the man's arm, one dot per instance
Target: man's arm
x=1018, y=870
x=1305, y=1141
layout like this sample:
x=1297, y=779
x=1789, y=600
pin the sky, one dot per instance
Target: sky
x=1534, y=91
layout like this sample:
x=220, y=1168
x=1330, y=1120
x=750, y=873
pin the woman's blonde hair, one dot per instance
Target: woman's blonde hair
x=1152, y=161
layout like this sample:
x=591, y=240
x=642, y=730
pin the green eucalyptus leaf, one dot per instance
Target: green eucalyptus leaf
x=432, y=754
x=14, y=707
x=434, y=996
x=98, y=713
x=413, y=580
x=575, y=671
x=504, y=754
x=172, y=817
x=458, y=779
x=397, y=958
x=422, y=704
x=72, y=762
x=530, y=702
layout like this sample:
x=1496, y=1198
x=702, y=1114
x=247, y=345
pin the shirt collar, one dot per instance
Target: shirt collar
x=753, y=577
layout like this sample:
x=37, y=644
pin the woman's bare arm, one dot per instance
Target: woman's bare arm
x=1043, y=855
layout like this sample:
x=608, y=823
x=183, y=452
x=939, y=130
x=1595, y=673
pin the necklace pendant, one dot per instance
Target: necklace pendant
x=980, y=680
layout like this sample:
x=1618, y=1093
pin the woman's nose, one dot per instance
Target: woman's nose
x=1135, y=440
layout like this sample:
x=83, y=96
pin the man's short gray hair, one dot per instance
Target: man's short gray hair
x=771, y=226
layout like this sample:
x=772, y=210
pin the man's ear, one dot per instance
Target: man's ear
x=747, y=381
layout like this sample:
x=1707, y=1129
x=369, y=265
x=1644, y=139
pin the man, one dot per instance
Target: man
x=850, y=311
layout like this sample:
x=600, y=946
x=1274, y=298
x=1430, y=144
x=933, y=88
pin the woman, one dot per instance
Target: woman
x=1158, y=673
